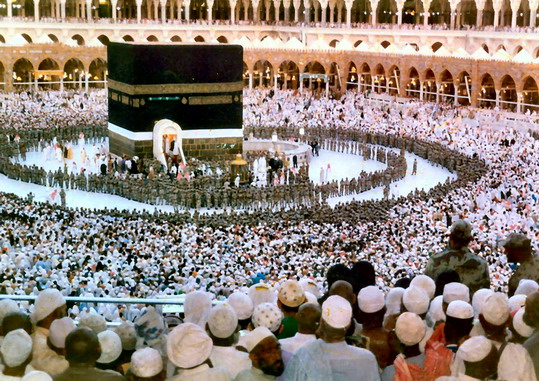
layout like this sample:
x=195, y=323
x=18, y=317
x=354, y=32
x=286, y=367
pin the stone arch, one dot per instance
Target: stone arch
x=166, y=127
x=413, y=87
x=53, y=37
x=464, y=88
x=263, y=73
x=385, y=44
x=152, y=38
x=104, y=39
x=352, y=79
x=2, y=39
x=508, y=93
x=128, y=38
x=199, y=39
x=436, y=46
x=314, y=67
x=485, y=48
x=501, y=46
x=357, y=43
x=27, y=37
x=394, y=80
x=96, y=73
x=530, y=95
x=46, y=80
x=333, y=43
x=222, y=40
x=379, y=79
x=487, y=95
x=79, y=39
x=536, y=52
x=288, y=75
x=447, y=86
x=22, y=71
x=365, y=78
x=73, y=73
x=517, y=50
x=429, y=85
x=176, y=38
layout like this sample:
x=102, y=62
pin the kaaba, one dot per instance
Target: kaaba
x=161, y=96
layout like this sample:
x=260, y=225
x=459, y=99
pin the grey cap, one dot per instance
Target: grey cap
x=461, y=229
x=516, y=241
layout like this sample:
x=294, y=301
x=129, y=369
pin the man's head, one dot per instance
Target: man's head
x=410, y=329
x=222, y=325
x=480, y=358
x=188, y=346
x=146, y=365
x=336, y=318
x=371, y=303
x=7, y=306
x=16, y=320
x=517, y=247
x=49, y=306
x=343, y=289
x=16, y=349
x=58, y=332
x=461, y=234
x=290, y=296
x=495, y=313
x=82, y=347
x=264, y=351
x=308, y=318
x=531, y=313
x=459, y=321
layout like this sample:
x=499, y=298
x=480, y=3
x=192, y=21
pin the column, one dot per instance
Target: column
x=453, y=10
x=277, y=5
x=9, y=9
x=479, y=19
x=250, y=81
x=86, y=75
x=256, y=4
x=331, y=12
x=155, y=10
x=515, y=5
x=179, y=10
x=307, y=6
x=233, y=11
x=63, y=9
x=426, y=7
x=400, y=6
x=533, y=12
x=187, y=5
x=520, y=98
x=348, y=5
x=438, y=88
x=324, y=13
x=275, y=81
x=420, y=90
x=339, y=12
x=246, y=9
x=456, y=93
x=374, y=7
x=210, y=10
x=297, y=4
x=316, y=5
x=171, y=10
x=267, y=4
x=286, y=4
x=163, y=4
x=114, y=4
x=89, y=17
x=139, y=10
x=36, y=10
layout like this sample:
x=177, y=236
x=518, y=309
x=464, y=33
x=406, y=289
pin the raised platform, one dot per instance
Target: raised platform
x=300, y=150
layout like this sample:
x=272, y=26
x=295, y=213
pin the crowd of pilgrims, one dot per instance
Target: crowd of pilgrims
x=84, y=252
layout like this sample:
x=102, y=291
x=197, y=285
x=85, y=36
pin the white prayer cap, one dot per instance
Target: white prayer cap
x=7, y=306
x=416, y=300
x=222, y=321
x=59, y=330
x=496, y=309
x=526, y=287
x=16, y=347
x=188, y=345
x=370, y=299
x=394, y=300
x=291, y=294
x=93, y=320
x=111, y=347
x=522, y=328
x=475, y=349
x=197, y=307
x=310, y=285
x=426, y=283
x=127, y=334
x=46, y=302
x=337, y=312
x=460, y=310
x=410, y=329
x=242, y=304
x=146, y=362
x=254, y=337
x=267, y=315
x=36, y=375
x=479, y=298
x=516, y=302
x=456, y=291
x=261, y=293
x=310, y=298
